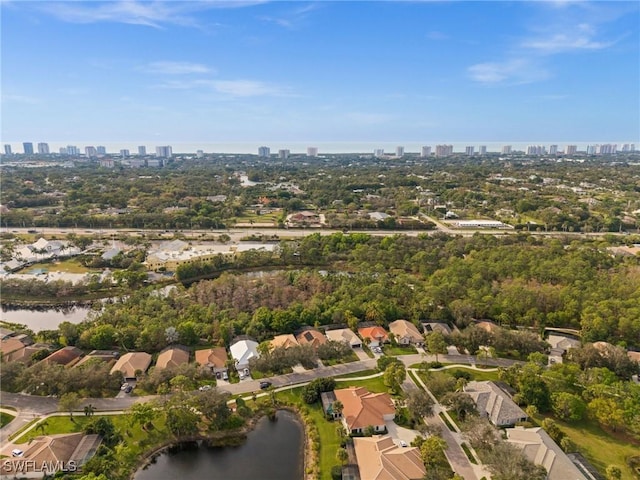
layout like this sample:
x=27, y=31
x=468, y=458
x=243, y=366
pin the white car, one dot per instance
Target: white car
x=16, y=452
x=124, y=386
x=204, y=388
x=403, y=443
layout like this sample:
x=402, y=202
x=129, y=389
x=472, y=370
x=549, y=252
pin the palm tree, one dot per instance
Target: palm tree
x=41, y=426
x=89, y=410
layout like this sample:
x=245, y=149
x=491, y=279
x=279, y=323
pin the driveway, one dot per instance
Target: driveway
x=400, y=433
x=361, y=354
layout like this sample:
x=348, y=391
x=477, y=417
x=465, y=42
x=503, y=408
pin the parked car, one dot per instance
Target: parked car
x=265, y=384
x=225, y=376
x=204, y=388
x=128, y=389
x=403, y=443
x=16, y=452
x=124, y=386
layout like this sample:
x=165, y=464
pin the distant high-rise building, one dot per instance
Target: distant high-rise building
x=625, y=147
x=312, y=152
x=7, y=149
x=164, y=151
x=570, y=150
x=591, y=149
x=378, y=152
x=536, y=150
x=283, y=154
x=506, y=150
x=200, y=153
x=632, y=147
x=483, y=150
x=90, y=152
x=399, y=151
x=63, y=150
x=27, y=148
x=553, y=149
x=72, y=150
x=469, y=150
x=124, y=153
x=426, y=151
x=606, y=149
x=444, y=150
x=142, y=150
x=43, y=148
x=264, y=152
x=101, y=150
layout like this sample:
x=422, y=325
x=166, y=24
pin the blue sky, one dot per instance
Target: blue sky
x=215, y=72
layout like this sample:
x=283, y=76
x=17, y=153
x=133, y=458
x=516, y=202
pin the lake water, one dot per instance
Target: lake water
x=272, y=451
x=44, y=318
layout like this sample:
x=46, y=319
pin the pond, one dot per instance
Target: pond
x=272, y=451
x=44, y=318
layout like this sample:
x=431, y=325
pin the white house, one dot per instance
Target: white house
x=242, y=351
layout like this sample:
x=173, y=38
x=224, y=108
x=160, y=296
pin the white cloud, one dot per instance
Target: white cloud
x=514, y=72
x=229, y=88
x=565, y=42
x=154, y=13
x=175, y=68
x=292, y=18
x=25, y=99
x=244, y=88
x=435, y=35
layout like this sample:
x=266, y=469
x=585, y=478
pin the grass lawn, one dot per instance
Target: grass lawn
x=398, y=350
x=475, y=374
x=364, y=373
x=68, y=265
x=329, y=439
x=5, y=418
x=599, y=447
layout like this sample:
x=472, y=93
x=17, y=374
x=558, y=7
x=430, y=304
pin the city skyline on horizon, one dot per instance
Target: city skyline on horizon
x=388, y=149
x=199, y=73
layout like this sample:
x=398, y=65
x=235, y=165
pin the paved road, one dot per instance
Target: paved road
x=455, y=455
x=237, y=233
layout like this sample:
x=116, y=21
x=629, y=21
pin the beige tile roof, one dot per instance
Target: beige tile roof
x=172, y=357
x=8, y=347
x=284, y=341
x=402, y=329
x=131, y=362
x=212, y=357
x=344, y=335
x=542, y=450
x=380, y=459
x=362, y=408
x=312, y=337
x=97, y=355
x=492, y=401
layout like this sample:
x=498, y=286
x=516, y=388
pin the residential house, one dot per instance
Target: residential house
x=379, y=458
x=215, y=359
x=172, y=357
x=11, y=348
x=494, y=403
x=50, y=454
x=26, y=354
x=344, y=335
x=312, y=337
x=376, y=335
x=487, y=326
x=67, y=356
x=242, y=351
x=430, y=327
x=362, y=409
x=406, y=333
x=132, y=364
x=559, y=346
x=98, y=356
x=284, y=341
x=5, y=333
x=538, y=447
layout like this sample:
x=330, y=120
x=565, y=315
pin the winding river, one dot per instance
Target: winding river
x=272, y=451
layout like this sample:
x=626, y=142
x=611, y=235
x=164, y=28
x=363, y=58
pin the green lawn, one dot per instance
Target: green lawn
x=599, y=447
x=5, y=418
x=364, y=373
x=398, y=350
x=69, y=265
x=475, y=374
